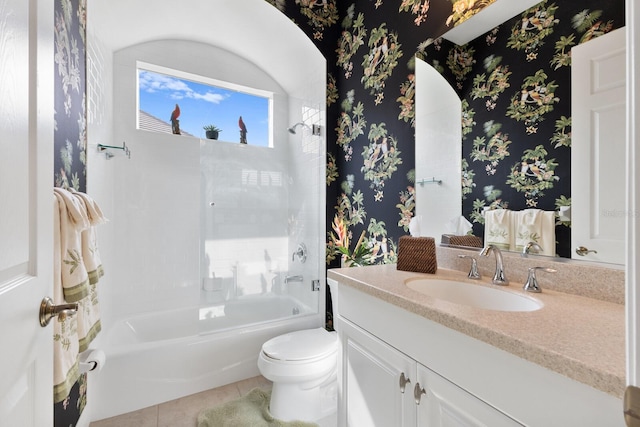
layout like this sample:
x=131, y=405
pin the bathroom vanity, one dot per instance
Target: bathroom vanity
x=410, y=359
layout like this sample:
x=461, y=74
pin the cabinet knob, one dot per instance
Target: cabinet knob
x=403, y=382
x=418, y=392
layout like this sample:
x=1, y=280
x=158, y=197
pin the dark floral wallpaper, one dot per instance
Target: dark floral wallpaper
x=70, y=138
x=70, y=141
x=515, y=84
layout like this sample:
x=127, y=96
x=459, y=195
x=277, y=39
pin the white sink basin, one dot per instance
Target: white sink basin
x=473, y=295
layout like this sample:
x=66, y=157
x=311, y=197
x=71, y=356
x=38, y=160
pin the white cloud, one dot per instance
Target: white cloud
x=214, y=98
x=152, y=82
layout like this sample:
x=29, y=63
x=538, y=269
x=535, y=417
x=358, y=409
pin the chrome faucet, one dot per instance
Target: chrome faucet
x=473, y=271
x=499, y=277
x=530, y=246
x=532, y=281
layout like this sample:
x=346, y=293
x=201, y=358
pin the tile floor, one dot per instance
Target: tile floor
x=184, y=412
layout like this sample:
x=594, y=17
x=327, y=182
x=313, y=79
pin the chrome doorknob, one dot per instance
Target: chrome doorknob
x=48, y=311
x=582, y=251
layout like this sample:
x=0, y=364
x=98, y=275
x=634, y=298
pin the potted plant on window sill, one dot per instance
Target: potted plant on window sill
x=211, y=131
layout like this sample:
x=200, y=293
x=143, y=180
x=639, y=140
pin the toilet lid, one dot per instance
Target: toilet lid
x=301, y=345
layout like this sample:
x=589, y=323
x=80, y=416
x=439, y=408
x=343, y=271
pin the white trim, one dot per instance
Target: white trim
x=633, y=196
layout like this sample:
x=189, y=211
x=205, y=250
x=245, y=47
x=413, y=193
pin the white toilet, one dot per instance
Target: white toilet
x=302, y=366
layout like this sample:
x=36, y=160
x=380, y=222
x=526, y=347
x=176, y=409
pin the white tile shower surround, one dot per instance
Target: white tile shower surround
x=184, y=412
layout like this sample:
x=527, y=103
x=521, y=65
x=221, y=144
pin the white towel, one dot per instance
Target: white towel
x=535, y=225
x=89, y=311
x=65, y=336
x=528, y=226
x=548, y=241
x=498, y=228
x=73, y=219
x=77, y=271
x=90, y=252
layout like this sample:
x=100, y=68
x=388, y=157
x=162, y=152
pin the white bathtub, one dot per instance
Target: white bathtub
x=160, y=356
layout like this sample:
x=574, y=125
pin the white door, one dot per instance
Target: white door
x=26, y=202
x=598, y=180
x=377, y=381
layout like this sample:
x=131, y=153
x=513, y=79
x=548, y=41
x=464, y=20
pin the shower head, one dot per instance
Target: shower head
x=315, y=129
x=292, y=129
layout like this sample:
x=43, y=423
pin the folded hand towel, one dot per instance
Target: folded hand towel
x=535, y=225
x=548, y=240
x=498, y=228
x=528, y=225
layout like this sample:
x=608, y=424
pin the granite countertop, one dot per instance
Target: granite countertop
x=578, y=337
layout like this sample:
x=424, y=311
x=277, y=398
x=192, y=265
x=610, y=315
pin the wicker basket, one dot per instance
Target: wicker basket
x=417, y=254
x=467, y=240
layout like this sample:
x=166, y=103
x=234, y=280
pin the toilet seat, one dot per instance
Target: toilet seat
x=301, y=346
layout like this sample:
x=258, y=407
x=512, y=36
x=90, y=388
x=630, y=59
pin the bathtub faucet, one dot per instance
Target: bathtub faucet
x=288, y=279
x=300, y=253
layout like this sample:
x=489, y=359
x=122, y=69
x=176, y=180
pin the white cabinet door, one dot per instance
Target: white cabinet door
x=371, y=393
x=443, y=404
x=598, y=178
x=26, y=211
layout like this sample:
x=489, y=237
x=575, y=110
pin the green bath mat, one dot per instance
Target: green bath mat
x=251, y=410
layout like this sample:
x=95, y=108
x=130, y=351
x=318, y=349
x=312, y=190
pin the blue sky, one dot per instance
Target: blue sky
x=202, y=104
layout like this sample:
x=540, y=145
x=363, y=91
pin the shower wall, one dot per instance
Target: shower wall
x=154, y=242
x=152, y=246
x=306, y=159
